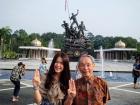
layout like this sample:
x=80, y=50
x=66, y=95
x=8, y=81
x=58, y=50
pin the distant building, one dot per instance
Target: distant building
x=120, y=52
x=36, y=50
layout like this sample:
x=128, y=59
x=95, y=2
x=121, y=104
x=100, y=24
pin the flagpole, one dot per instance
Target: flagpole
x=67, y=7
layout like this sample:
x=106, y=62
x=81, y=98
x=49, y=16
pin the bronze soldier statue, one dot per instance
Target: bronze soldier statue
x=82, y=28
x=73, y=17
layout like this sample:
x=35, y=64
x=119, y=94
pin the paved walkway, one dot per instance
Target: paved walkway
x=121, y=93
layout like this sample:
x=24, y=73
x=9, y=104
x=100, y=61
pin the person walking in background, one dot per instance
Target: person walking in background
x=43, y=68
x=53, y=90
x=136, y=72
x=15, y=77
x=89, y=89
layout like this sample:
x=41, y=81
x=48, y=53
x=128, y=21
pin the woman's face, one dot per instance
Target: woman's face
x=86, y=66
x=58, y=66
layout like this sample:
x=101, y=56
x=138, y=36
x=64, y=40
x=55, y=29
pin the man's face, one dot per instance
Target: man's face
x=86, y=66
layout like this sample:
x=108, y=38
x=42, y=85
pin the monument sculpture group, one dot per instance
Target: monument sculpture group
x=76, y=41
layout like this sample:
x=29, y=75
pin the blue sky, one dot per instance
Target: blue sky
x=104, y=17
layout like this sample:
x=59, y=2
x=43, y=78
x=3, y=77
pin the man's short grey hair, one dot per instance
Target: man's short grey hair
x=86, y=55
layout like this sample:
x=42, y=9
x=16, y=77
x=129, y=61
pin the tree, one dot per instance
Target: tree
x=5, y=39
x=46, y=37
x=20, y=38
x=5, y=34
x=98, y=41
x=59, y=41
x=91, y=37
x=130, y=42
x=33, y=36
x=108, y=42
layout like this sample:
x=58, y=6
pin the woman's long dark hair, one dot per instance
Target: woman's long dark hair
x=65, y=75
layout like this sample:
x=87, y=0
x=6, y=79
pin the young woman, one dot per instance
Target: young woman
x=16, y=74
x=54, y=89
x=43, y=68
x=89, y=89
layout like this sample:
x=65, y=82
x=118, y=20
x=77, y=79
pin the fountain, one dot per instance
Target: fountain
x=102, y=62
x=50, y=52
x=77, y=74
x=110, y=74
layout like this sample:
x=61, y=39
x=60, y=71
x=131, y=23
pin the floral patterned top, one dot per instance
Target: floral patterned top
x=17, y=73
x=43, y=68
x=91, y=92
x=54, y=95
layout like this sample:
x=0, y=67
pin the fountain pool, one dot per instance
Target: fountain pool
x=116, y=76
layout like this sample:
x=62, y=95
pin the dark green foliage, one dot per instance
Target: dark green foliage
x=9, y=42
